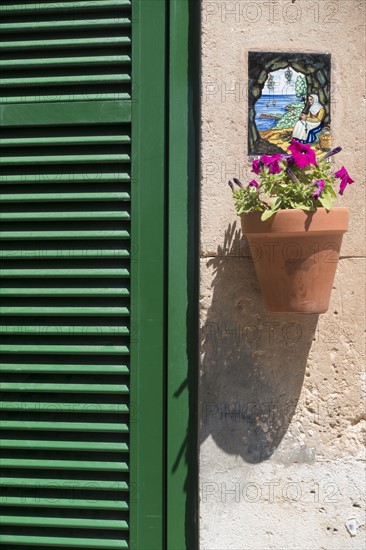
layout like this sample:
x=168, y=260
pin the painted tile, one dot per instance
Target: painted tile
x=289, y=98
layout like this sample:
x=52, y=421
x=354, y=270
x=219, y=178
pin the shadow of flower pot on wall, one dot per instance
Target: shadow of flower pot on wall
x=295, y=255
x=253, y=363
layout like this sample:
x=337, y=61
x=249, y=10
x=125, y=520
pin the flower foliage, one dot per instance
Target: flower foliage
x=296, y=180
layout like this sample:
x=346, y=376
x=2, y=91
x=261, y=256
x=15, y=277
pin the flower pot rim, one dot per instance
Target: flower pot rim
x=297, y=221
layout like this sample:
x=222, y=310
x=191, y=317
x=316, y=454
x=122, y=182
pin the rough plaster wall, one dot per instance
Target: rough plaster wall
x=282, y=397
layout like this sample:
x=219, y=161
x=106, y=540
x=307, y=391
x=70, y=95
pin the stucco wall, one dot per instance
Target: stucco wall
x=282, y=397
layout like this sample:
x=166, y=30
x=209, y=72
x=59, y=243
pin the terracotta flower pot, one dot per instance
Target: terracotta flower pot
x=295, y=254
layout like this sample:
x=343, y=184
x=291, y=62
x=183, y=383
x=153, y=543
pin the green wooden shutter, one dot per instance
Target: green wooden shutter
x=65, y=266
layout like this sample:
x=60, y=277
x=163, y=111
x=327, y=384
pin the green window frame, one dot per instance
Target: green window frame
x=166, y=116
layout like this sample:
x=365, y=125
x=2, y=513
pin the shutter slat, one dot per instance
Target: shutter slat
x=86, y=408
x=70, y=215
x=60, y=311
x=67, y=368
x=64, y=6
x=120, y=291
x=61, y=114
x=73, y=197
x=58, y=178
x=49, y=43
x=74, y=159
x=46, y=253
x=82, y=523
x=65, y=388
x=57, y=542
x=92, y=273
x=66, y=140
x=80, y=24
x=86, y=485
x=66, y=503
x=69, y=349
x=68, y=388
x=69, y=330
x=64, y=426
x=61, y=97
x=63, y=445
x=57, y=80
x=50, y=235
x=76, y=465
x=65, y=62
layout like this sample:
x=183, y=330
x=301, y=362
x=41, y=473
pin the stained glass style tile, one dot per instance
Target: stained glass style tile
x=289, y=98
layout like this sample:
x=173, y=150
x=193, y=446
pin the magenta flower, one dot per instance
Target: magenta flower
x=256, y=166
x=303, y=154
x=273, y=163
x=253, y=183
x=345, y=178
x=320, y=188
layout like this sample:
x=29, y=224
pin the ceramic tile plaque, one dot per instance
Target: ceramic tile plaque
x=289, y=98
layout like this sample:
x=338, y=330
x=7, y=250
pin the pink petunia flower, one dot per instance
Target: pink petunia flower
x=256, y=166
x=253, y=183
x=302, y=154
x=273, y=162
x=345, y=178
x=320, y=188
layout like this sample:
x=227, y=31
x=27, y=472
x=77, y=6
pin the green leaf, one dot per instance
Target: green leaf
x=303, y=207
x=267, y=214
x=326, y=201
x=275, y=204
